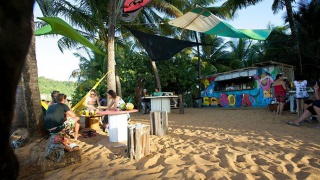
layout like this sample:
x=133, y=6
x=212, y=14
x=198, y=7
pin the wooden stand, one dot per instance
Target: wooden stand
x=138, y=144
x=158, y=123
x=94, y=123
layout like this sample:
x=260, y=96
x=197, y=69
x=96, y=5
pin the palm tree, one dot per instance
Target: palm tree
x=308, y=26
x=172, y=9
x=277, y=5
x=239, y=53
x=33, y=112
x=14, y=48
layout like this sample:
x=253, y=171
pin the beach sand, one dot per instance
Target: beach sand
x=202, y=143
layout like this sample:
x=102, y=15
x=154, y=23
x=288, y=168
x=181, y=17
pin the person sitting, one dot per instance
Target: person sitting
x=227, y=87
x=115, y=102
x=92, y=101
x=157, y=92
x=53, y=97
x=312, y=109
x=280, y=92
x=60, y=117
x=103, y=100
x=145, y=102
x=69, y=103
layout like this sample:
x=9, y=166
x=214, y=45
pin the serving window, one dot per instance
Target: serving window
x=235, y=84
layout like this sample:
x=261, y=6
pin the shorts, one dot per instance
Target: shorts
x=69, y=124
x=308, y=101
x=311, y=109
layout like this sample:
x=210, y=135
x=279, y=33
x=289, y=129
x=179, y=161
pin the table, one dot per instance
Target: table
x=160, y=103
x=118, y=124
x=291, y=98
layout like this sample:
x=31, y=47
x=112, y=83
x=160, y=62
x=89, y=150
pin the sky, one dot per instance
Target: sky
x=54, y=64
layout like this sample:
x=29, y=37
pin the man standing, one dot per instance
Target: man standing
x=59, y=117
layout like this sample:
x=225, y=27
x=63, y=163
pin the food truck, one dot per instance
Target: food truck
x=247, y=87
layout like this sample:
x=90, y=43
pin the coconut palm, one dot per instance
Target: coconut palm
x=14, y=48
x=307, y=20
x=277, y=5
x=239, y=53
x=91, y=17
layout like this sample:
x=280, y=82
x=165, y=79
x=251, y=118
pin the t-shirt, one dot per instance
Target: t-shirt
x=103, y=102
x=144, y=99
x=157, y=94
x=301, y=89
x=55, y=115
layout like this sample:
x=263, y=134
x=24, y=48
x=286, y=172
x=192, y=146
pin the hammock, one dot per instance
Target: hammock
x=80, y=105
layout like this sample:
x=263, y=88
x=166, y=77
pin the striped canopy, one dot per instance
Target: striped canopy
x=204, y=21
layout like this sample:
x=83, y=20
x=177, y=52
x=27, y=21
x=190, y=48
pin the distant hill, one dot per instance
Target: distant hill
x=46, y=86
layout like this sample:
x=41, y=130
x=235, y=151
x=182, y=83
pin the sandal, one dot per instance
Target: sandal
x=292, y=123
x=72, y=147
x=89, y=133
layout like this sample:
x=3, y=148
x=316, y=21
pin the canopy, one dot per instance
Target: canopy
x=203, y=21
x=161, y=48
x=58, y=26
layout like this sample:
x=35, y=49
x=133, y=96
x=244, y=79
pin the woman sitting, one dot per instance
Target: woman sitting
x=157, y=92
x=92, y=101
x=115, y=102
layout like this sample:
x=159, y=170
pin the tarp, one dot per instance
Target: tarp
x=158, y=47
x=58, y=26
x=128, y=10
x=203, y=21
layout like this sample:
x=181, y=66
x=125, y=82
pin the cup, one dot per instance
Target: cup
x=87, y=113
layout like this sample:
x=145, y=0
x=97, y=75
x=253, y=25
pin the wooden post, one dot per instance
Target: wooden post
x=87, y=122
x=181, y=105
x=158, y=123
x=138, y=144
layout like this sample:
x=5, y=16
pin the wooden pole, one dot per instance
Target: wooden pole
x=181, y=105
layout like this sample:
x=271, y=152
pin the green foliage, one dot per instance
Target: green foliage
x=46, y=86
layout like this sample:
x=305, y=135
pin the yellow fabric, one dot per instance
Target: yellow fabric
x=44, y=105
x=80, y=105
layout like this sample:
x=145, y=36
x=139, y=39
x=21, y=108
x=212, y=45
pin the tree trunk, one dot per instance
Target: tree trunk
x=19, y=118
x=294, y=31
x=118, y=83
x=156, y=74
x=111, y=79
x=34, y=113
x=15, y=37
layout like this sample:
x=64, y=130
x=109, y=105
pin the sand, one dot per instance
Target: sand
x=204, y=143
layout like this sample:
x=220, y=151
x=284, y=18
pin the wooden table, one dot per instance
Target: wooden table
x=160, y=103
x=118, y=124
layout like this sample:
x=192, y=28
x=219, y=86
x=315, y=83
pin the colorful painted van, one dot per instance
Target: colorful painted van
x=246, y=87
